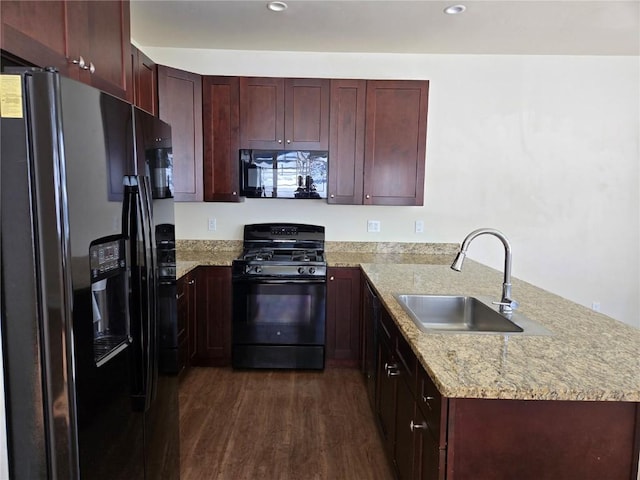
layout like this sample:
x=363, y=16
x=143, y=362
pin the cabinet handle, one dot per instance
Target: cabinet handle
x=80, y=62
x=367, y=196
x=417, y=426
x=426, y=399
x=391, y=369
x=331, y=279
x=91, y=68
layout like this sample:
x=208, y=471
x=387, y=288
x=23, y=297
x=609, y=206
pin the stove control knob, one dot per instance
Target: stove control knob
x=300, y=270
x=258, y=269
x=312, y=270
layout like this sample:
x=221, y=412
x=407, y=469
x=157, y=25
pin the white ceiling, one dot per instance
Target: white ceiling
x=559, y=27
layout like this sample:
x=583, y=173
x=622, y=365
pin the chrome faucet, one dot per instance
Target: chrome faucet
x=507, y=305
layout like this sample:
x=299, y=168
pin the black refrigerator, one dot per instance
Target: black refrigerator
x=88, y=284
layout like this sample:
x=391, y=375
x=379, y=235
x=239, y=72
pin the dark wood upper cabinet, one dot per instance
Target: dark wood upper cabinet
x=378, y=142
x=284, y=114
x=145, y=81
x=346, y=141
x=99, y=32
x=395, y=142
x=180, y=105
x=36, y=32
x=85, y=40
x=221, y=130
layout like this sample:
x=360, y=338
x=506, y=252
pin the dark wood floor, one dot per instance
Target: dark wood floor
x=284, y=425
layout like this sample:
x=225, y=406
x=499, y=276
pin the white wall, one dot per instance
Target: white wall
x=544, y=148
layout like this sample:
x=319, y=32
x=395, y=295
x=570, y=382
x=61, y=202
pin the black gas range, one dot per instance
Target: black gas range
x=279, y=297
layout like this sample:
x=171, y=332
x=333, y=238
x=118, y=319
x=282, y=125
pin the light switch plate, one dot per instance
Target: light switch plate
x=419, y=226
x=212, y=224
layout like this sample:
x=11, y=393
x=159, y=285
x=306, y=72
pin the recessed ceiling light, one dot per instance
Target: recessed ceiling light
x=277, y=6
x=454, y=9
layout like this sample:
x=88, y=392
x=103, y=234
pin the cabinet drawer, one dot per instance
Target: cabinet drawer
x=429, y=400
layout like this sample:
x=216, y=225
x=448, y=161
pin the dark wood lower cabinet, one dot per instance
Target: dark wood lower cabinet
x=186, y=303
x=213, y=345
x=386, y=386
x=431, y=437
x=528, y=440
x=343, y=317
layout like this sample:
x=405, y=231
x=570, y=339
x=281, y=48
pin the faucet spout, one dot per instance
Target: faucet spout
x=507, y=305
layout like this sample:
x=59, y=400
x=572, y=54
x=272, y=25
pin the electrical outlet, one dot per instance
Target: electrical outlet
x=595, y=306
x=419, y=226
x=212, y=224
x=373, y=226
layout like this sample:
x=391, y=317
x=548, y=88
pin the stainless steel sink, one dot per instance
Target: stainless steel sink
x=455, y=314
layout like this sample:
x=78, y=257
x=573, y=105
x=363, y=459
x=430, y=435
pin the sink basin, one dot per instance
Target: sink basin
x=455, y=313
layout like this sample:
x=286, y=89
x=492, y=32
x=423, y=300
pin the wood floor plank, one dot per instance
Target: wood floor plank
x=280, y=425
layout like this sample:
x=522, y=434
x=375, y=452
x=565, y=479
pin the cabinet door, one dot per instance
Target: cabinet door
x=386, y=396
x=405, y=438
x=221, y=125
x=306, y=114
x=100, y=33
x=395, y=142
x=145, y=81
x=214, y=316
x=180, y=105
x=35, y=32
x=343, y=316
x=187, y=301
x=428, y=464
x=346, y=144
x=370, y=312
x=182, y=303
x=262, y=113
x=61, y=33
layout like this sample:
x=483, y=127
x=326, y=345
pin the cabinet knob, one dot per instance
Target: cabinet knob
x=80, y=62
x=331, y=279
x=279, y=141
x=191, y=282
x=234, y=193
x=331, y=196
x=91, y=68
x=367, y=196
x=288, y=141
x=417, y=426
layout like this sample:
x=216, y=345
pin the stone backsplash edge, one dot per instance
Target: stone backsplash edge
x=359, y=247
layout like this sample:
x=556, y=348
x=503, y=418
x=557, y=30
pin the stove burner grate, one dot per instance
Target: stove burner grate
x=263, y=255
x=305, y=256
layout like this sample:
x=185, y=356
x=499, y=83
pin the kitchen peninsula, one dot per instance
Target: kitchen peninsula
x=571, y=397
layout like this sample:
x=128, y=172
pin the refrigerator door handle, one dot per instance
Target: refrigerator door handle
x=133, y=227
x=150, y=323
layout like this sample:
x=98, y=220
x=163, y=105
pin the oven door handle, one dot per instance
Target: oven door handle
x=270, y=280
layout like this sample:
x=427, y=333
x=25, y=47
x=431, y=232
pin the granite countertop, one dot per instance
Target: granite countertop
x=589, y=356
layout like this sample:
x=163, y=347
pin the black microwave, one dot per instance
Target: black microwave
x=283, y=174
